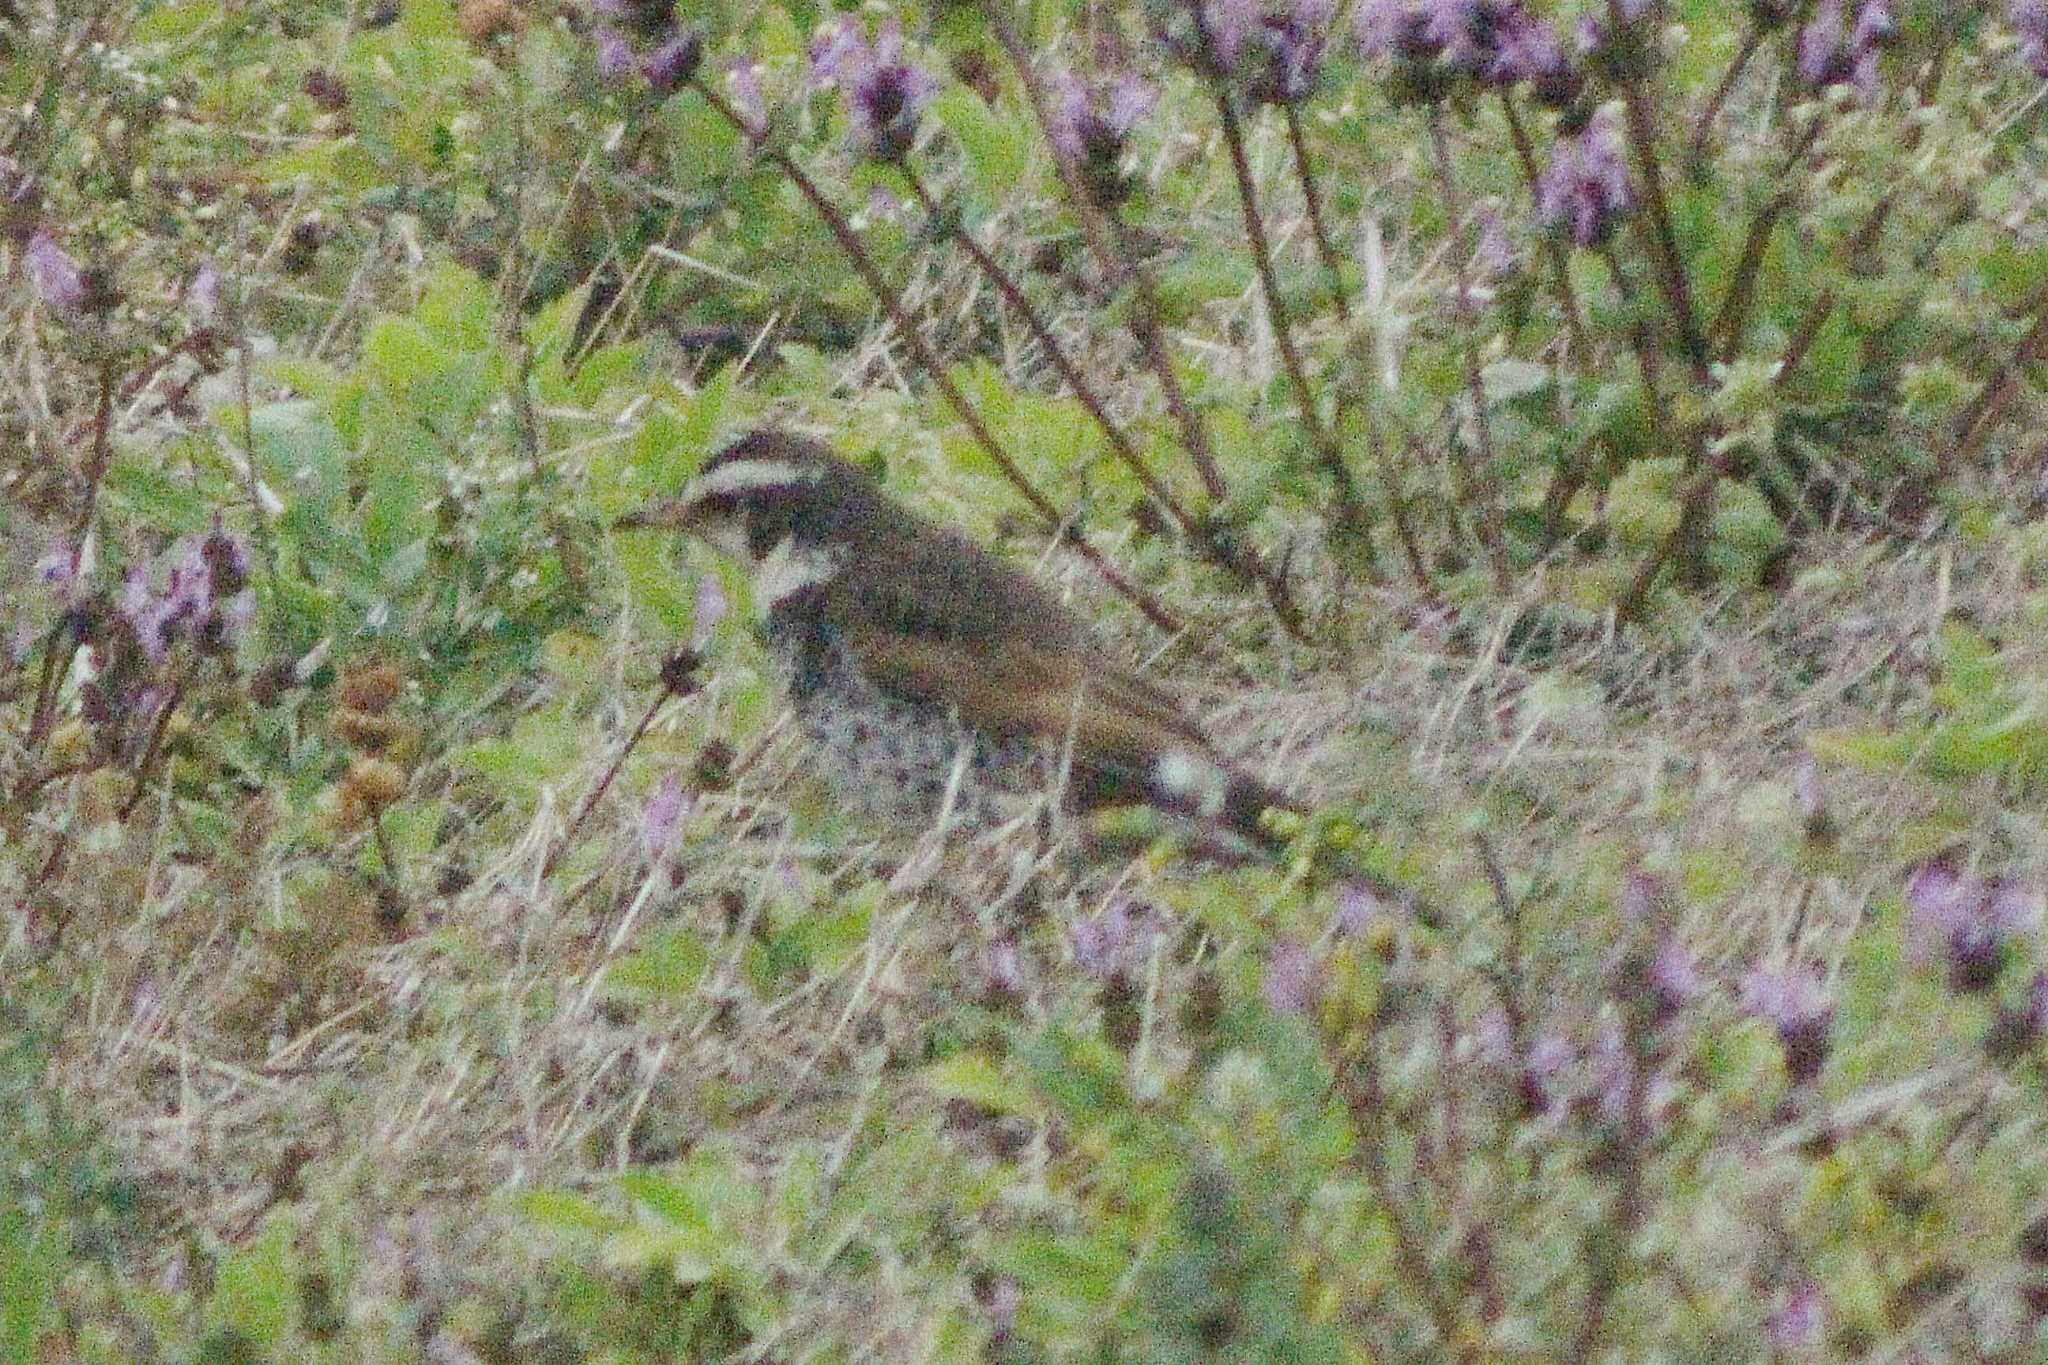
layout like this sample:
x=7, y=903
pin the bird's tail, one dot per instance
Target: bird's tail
x=1200, y=787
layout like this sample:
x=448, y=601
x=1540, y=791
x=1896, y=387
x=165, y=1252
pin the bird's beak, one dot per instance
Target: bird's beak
x=663, y=514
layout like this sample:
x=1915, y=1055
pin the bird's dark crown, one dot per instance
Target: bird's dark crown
x=774, y=485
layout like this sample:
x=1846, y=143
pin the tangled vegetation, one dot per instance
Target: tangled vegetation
x=1583, y=449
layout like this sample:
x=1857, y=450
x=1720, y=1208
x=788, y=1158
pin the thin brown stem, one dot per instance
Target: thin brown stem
x=1491, y=517
x=101, y=456
x=146, y=767
x=1553, y=249
x=1710, y=113
x=1238, y=559
x=1350, y=515
x=1608, y=1245
x=1803, y=338
x=604, y=783
x=1109, y=241
x=1693, y=505
x=1661, y=241
x=1983, y=414
x=1733, y=316
x=1312, y=196
x=1359, y=1084
x=1510, y=977
x=970, y=416
x=59, y=649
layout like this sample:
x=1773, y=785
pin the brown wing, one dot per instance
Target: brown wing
x=1010, y=688
x=1130, y=744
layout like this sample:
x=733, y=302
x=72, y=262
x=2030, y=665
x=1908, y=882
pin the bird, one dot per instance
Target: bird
x=930, y=677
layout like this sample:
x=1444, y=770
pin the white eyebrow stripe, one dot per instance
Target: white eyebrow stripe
x=747, y=476
x=786, y=571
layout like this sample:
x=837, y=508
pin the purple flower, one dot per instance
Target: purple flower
x=226, y=560
x=1093, y=120
x=1614, y=1072
x=712, y=607
x=1601, y=44
x=1536, y=1084
x=615, y=60
x=1288, y=49
x=2029, y=18
x=1497, y=42
x=1833, y=52
x=1793, y=1001
x=1966, y=922
x=1641, y=895
x=663, y=815
x=58, y=279
x=1359, y=905
x=743, y=80
x=1529, y=52
x=223, y=627
x=1090, y=124
x=1003, y=968
x=1674, y=979
x=1875, y=26
x=202, y=295
x=1221, y=28
x=885, y=95
x=1116, y=941
x=1397, y=28
x=58, y=573
x=1585, y=190
x=674, y=62
x=1294, y=978
x=648, y=18
x=1796, y=1328
x=16, y=185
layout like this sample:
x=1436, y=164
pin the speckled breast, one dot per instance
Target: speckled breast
x=893, y=759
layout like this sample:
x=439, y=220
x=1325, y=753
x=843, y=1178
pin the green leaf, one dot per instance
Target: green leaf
x=257, y=1292
x=1508, y=379
x=172, y=505
x=997, y=146
x=399, y=354
x=300, y=451
x=979, y=1080
x=457, y=309
x=667, y=968
x=2015, y=273
x=647, y=561
x=564, y=1211
x=691, y=1255
x=544, y=746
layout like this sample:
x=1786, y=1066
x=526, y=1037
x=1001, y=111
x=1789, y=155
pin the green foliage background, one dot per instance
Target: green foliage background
x=349, y=1012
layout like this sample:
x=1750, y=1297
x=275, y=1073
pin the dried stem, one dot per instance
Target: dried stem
x=1491, y=517
x=604, y=784
x=1350, y=507
x=1359, y=1083
x=1710, y=113
x=1311, y=194
x=1553, y=249
x=871, y=275
x=1225, y=553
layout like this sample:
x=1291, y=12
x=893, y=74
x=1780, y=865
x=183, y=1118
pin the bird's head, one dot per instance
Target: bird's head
x=776, y=502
